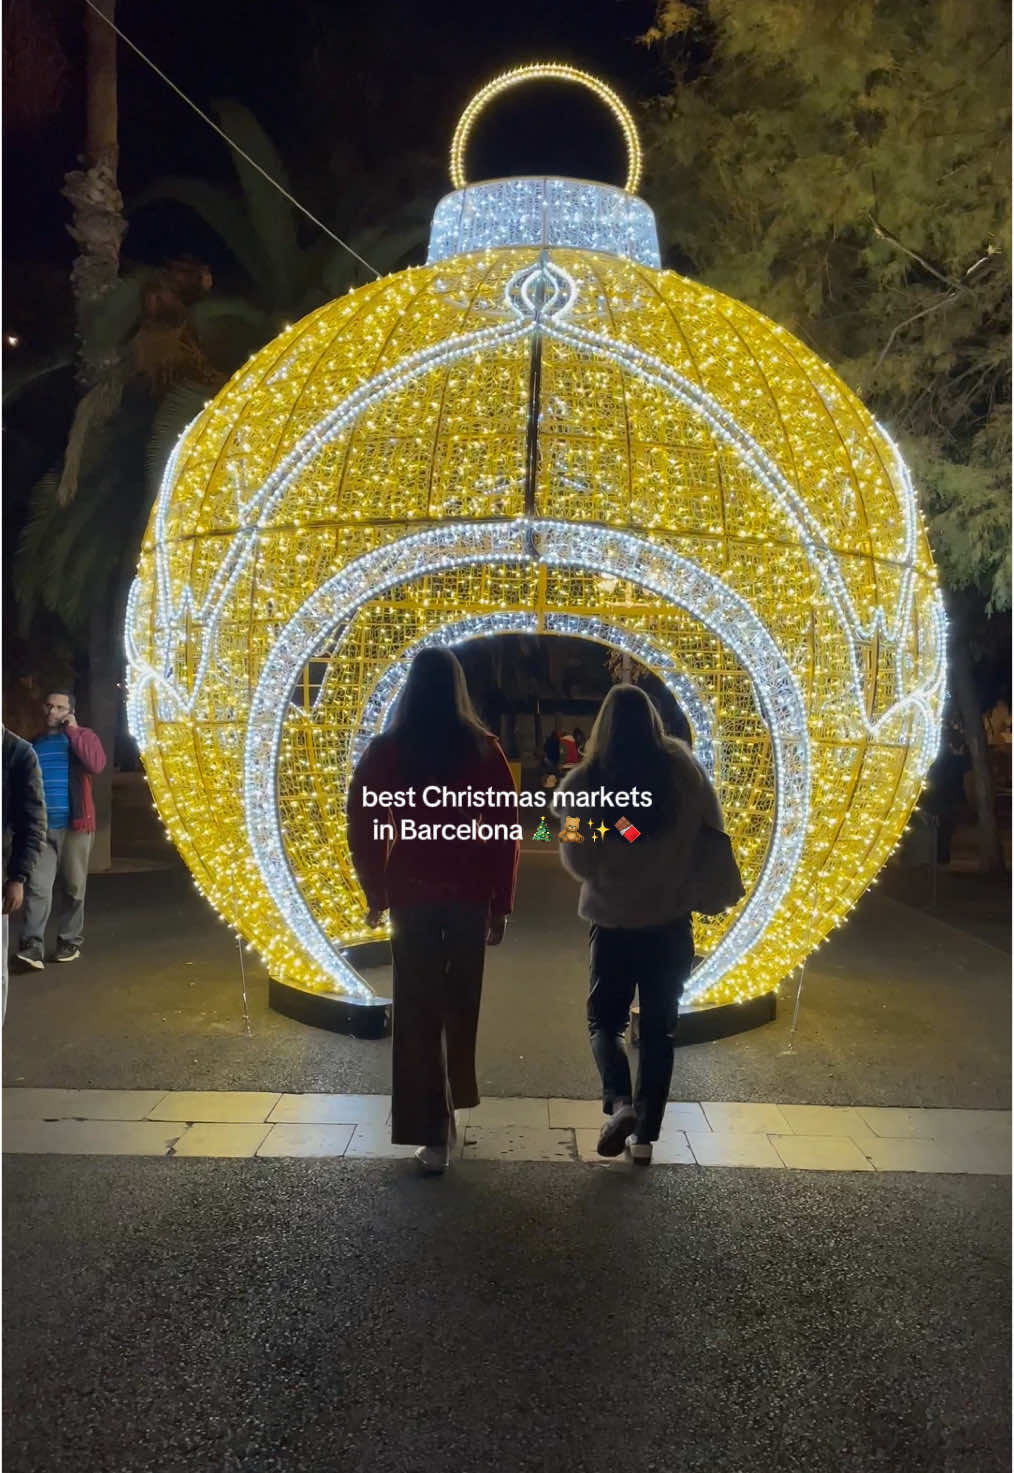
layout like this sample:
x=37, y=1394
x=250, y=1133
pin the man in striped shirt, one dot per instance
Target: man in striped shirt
x=70, y=756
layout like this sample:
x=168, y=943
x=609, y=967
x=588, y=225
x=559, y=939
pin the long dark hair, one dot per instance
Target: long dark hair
x=628, y=748
x=435, y=727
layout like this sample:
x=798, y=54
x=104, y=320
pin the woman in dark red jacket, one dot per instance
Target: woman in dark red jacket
x=439, y=782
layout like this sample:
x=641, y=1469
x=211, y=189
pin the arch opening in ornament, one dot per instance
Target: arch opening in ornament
x=610, y=553
x=347, y=693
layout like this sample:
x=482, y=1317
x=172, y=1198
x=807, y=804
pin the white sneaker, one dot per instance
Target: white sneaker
x=638, y=1153
x=433, y=1159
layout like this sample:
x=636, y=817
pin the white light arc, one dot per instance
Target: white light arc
x=649, y=652
x=610, y=553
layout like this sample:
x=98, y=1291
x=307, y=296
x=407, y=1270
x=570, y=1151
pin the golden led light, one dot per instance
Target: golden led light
x=545, y=72
x=680, y=478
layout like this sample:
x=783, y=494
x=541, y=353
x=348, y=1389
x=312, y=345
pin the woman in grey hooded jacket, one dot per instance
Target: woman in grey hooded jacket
x=635, y=862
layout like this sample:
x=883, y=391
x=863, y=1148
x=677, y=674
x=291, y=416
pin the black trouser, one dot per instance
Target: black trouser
x=655, y=960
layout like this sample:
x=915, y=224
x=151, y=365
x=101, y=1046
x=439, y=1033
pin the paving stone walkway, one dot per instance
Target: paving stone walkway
x=248, y=1123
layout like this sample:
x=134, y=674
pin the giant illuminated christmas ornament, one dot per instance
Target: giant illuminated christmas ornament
x=538, y=431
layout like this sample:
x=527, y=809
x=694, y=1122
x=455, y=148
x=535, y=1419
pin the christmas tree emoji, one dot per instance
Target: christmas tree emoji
x=542, y=832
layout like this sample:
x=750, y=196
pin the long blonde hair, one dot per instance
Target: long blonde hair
x=628, y=748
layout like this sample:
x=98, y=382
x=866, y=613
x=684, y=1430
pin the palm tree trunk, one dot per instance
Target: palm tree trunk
x=98, y=227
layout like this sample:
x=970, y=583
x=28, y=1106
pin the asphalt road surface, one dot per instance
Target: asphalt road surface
x=309, y=1316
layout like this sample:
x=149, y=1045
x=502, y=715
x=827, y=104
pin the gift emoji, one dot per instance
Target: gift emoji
x=626, y=828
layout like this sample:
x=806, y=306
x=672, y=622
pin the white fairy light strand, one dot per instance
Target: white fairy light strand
x=544, y=212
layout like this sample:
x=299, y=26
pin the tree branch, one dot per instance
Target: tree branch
x=933, y=307
x=884, y=234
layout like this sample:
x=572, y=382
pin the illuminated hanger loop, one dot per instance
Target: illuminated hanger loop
x=546, y=72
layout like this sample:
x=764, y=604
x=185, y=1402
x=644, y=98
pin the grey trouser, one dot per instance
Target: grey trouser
x=65, y=860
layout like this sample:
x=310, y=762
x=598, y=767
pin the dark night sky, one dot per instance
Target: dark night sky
x=378, y=83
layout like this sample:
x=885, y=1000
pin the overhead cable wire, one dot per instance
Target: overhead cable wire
x=230, y=141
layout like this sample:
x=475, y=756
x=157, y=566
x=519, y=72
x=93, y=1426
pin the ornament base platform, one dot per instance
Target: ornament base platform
x=372, y=1018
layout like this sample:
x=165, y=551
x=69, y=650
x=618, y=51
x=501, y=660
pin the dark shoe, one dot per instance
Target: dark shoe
x=613, y=1135
x=31, y=952
x=66, y=951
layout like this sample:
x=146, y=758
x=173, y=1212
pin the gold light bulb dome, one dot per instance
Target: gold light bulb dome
x=538, y=431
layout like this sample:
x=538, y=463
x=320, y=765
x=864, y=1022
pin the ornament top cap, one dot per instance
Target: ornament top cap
x=543, y=211
x=545, y=71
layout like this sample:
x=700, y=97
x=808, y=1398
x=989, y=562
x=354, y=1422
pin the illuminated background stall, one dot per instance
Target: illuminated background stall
x=538, y=431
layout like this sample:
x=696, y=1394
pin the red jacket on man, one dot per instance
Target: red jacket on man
x=87, y=759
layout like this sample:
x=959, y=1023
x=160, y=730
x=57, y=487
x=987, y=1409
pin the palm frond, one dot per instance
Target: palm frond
x=178, y=408
x=214, y=307
x=69, y=556
x=93, y=410
x=55, y=558
x=31, y=571
x=25, y=376
x=392, y=246
x=225, y=213
x=88, y=563
x=271, y=217
x=387, y=247
x=229, y=329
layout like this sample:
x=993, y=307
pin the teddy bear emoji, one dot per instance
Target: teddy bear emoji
x=571, y=833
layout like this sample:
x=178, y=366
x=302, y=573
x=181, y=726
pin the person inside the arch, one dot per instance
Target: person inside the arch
x=569, y=754
x=448, y=897
x=551, y=759
x=637, y=898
